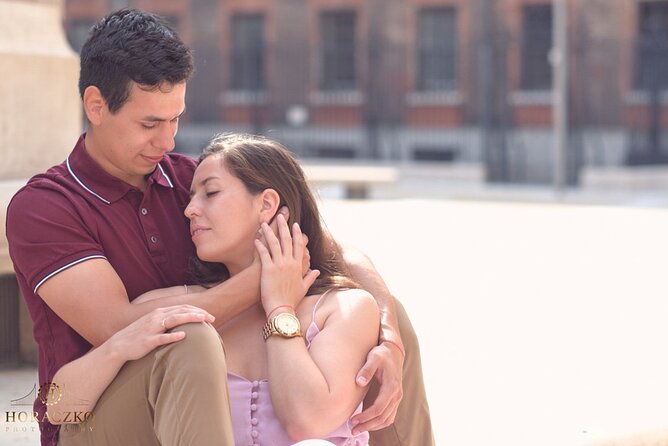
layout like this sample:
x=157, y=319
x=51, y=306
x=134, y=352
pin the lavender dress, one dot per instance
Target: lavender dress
x=255, y=423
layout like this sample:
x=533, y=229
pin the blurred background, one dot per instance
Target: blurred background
x=504, y=163
x=441, y=82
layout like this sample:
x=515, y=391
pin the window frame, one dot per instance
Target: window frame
x=247, y=55
x=429, y=54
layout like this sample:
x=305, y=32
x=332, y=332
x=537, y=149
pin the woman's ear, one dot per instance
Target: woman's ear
x=94, y=104
x=269, y=201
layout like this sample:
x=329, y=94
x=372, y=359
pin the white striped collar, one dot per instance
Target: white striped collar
x=162, y=171
x=88, y=189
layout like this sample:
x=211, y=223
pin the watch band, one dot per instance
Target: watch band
x=270, y=328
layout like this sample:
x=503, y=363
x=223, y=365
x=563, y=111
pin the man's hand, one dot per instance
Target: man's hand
x=385, y=363
x=152, y=330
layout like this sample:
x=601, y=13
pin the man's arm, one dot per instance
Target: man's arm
x=91, y=299
x=364, y=273
x=385, y=362
x=82, y=381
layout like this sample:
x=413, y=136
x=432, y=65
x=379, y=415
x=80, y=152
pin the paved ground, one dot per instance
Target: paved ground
x=540, y=324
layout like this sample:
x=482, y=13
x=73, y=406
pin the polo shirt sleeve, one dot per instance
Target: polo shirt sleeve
x=48, y=232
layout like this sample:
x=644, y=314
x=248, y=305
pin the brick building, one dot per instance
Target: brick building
x=421, y=80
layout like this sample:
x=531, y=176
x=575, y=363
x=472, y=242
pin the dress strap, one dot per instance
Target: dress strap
x=313, y=328
x=317, y=304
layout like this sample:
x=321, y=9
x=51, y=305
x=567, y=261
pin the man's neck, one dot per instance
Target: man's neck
x=93, y=147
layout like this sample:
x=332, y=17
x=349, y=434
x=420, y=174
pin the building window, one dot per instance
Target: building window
x=437, y=49
x=652, y=47
x=430, y=154
x=536, y=45
x=338, y=51
x=247, y=52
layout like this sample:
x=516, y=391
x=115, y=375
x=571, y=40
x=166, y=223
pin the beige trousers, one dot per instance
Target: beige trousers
x=412, y=425
x=175, y=395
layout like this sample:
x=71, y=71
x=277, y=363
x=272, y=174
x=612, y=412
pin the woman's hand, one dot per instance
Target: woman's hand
x=306, y=258
x=282, y=282
x=150, y=331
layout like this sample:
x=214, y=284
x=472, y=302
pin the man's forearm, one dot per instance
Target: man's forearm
x=227, y=299
x=224, y=301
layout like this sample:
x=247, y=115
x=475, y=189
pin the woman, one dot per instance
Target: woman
x=292, y=360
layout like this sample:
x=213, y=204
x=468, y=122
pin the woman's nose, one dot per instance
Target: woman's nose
x=190, y=211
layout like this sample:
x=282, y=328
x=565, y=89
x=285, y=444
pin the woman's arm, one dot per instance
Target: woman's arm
x=179, y=290
x=313, y=390
x=79, y=384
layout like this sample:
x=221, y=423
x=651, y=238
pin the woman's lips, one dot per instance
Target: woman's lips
x=197, y=230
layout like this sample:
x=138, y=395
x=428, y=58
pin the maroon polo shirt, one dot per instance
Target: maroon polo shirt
x=75, y=212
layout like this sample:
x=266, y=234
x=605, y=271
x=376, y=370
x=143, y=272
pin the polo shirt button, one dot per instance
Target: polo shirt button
x=254, y=421
x=256, y=383
x=253, y=406
x=254, y=395
x=254, y=434
x=154, y=239
x=144, y=211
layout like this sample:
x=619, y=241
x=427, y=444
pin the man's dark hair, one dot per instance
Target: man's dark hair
x=132, y=45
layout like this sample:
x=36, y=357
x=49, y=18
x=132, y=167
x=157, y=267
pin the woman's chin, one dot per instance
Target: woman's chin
x=207, y=256
x=240, y=259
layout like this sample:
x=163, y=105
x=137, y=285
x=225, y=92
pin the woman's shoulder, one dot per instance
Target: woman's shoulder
x=339, y=306
x=351, y=294
x=351, y=300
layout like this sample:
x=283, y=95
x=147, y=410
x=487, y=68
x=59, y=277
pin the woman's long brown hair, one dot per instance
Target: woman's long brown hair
x=261, y=163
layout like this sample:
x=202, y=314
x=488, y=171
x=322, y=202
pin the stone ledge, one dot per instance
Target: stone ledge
x=629, y=178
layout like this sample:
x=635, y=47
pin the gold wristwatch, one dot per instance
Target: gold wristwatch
x=283, y=324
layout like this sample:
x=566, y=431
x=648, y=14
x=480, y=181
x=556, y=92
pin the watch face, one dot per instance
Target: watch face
x=287, y=324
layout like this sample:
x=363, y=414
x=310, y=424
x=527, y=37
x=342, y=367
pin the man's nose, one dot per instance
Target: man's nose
x=164, y=140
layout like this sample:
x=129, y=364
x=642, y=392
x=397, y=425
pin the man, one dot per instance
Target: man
x=107, y=225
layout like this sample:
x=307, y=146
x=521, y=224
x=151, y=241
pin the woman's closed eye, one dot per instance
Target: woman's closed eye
x=210, y=194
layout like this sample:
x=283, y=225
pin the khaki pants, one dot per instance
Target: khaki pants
x=412, y=425
x=175, y=395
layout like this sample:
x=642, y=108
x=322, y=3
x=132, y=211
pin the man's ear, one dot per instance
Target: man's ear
x=94, y=104
x=269, y=201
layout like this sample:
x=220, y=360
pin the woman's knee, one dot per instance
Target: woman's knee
x=201, y=343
